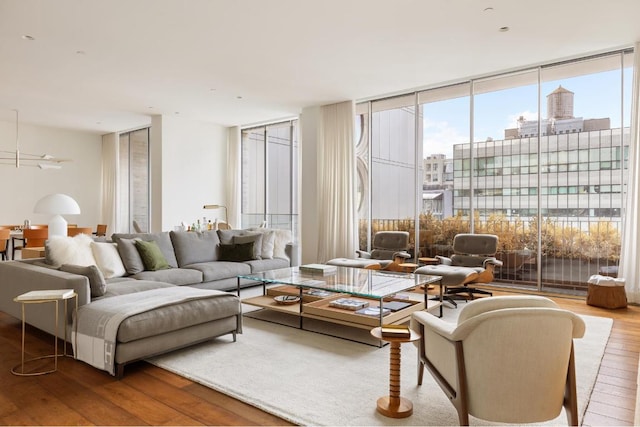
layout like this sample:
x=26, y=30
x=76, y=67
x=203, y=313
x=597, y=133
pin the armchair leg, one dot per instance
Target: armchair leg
x=570, y=400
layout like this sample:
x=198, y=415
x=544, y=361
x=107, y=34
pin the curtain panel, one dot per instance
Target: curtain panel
x=337, y=225
x=629, y=265
x=109, y=214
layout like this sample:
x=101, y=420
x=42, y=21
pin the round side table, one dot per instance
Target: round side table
x=394, y=405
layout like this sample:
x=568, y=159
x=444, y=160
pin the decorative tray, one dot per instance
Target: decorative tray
x=286, y=299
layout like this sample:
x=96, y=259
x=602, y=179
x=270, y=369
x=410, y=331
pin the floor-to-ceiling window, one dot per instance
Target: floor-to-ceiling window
x=270, y=176
x=133, y=176
x=535, y=156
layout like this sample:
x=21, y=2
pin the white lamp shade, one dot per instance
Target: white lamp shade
x=57, y=205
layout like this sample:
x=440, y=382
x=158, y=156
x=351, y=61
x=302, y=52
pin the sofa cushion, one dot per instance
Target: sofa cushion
x=108, y=259
x=192, y=247
x=130, y=256
x=174, y=276
x=237, y=252
x=259, y=265
x=131, y=286
x=152, y=257
x=96, y=280
x=178, y=316
x=220, y=270
x=255, y=238
x=162, y=239
x=69, y=250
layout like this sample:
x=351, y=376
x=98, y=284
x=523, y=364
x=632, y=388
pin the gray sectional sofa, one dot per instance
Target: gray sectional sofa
x=186, y=303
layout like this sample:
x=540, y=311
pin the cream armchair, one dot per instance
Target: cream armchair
x=507, y=359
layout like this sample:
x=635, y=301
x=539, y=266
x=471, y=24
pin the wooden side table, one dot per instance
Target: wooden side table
x=393, y=405
x=41, y=297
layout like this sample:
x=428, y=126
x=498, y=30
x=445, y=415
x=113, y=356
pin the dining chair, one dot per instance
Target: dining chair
x=101, y=230
x=4, y=242
x=35, y=237
x=74, y=231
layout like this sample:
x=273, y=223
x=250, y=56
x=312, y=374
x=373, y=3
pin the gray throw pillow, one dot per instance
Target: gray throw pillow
x=96, y=279
x=255, y=238
x=130, y=257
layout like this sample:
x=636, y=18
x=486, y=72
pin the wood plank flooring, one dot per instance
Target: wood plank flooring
x=81, y=395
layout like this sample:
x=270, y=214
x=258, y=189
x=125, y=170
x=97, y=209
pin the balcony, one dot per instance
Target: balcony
x=571, y=250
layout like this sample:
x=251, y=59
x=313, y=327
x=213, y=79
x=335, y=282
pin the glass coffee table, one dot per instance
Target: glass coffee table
x=350, y=296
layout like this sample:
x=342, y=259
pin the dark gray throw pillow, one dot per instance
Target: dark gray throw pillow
x=96, y=279
x=237, y=253
x=255, y=238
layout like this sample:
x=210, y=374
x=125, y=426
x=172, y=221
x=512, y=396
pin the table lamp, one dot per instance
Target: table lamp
x=57, y=205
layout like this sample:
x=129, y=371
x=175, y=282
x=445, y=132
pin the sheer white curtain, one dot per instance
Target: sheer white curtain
x=338, y=226
x=109, y=214
x=234, y=157
x=629, y=265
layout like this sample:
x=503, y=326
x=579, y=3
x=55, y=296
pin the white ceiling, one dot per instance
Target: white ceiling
x=107, y=65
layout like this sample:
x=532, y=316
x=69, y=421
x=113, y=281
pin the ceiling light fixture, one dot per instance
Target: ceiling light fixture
x=503, y=29
x=28, y=37
x=43, y=161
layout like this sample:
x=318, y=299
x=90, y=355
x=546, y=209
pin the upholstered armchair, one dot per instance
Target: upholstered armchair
x=507, y=359
x=386, y=246
x=473, y=261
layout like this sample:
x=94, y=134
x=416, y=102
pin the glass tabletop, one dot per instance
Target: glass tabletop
x=355, y=281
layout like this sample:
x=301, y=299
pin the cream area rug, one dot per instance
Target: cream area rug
x=314, y=379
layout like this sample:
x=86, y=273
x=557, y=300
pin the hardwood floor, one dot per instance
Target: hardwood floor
x=81, y=395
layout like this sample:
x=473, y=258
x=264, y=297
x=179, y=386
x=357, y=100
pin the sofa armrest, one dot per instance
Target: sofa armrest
x=18, y=277
x=293, y=251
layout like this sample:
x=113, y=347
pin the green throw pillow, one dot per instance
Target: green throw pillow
x=237, y=253
x=151, y=255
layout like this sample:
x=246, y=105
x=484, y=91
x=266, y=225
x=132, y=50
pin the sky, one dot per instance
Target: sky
x=446, y=123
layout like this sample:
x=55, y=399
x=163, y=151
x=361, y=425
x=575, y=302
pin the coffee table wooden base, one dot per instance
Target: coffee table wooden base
x=398, y=407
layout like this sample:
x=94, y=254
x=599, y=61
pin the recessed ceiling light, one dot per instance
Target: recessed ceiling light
x=503, y=29
x=28, y=37
x=488, y=9
x=212, y=90
x=238, y=97
x=177, y=112
x=80, y=52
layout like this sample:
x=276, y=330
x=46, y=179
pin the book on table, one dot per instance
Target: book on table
x=398, y=331
x=45, y=295
x=318, y=269
x=348, y=303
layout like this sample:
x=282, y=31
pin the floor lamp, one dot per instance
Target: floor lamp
x=57, y=205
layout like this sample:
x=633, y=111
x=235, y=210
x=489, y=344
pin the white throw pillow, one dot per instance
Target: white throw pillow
x=283, y=237
x=268, y=244
x=70, y=250
x=108, y=259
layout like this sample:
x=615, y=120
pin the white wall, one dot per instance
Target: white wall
x=189, y=167
x=79, y=178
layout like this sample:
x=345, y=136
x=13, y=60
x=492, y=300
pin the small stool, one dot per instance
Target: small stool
x=606, y=292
